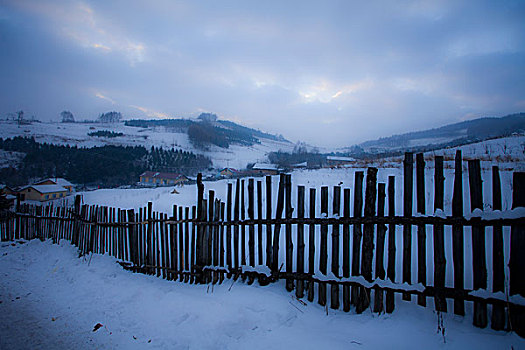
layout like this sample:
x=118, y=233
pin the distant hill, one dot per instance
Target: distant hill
x=207, y=130
x=449, y=135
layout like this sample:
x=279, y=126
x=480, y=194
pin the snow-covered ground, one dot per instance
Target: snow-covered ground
x=52, y=299
x=235, y=156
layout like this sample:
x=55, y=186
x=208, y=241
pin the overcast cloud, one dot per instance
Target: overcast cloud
x=332, y=73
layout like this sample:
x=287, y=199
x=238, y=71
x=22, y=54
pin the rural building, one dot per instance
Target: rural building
x=152, y=178
x=333, y=161
x=57, y=181
x=42, y=193
x=265, y=169
x=4, y=189
x=302, y=165
x=228, y=172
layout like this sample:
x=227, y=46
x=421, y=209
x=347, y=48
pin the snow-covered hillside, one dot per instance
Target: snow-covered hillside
x=235, y=156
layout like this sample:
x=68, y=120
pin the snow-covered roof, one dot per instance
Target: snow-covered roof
x=47, y=188
x=341, y=159
x=261, y=166
x=301, y=165
x=57, y=180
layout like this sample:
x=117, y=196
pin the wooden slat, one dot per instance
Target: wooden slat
x=269, y=216
x=368, y=238
x=289, y=243
x=346, y=249
x=391, y=269
x=299, y=292
x=173, y=242
x=334, y=287
x=164, y=247
x=236, y=216
x=380, y=247
x=243, y=227
x=479, y=264
x=311, y=245
x=498, y=268
x=229, y=228
x=186, y=243
x=323, y=257
x=251, y=228
x=408, y=184
x=277, y=230
x=182, y=258
x=259, y=227
x=517, y=258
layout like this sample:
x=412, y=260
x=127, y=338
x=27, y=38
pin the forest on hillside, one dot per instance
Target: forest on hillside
x=105, y=166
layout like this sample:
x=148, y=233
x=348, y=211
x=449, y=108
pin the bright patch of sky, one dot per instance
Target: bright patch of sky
x=332, y=73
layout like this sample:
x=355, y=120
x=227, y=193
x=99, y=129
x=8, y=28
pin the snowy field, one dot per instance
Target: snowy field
x=51, y=299
x=77, y=134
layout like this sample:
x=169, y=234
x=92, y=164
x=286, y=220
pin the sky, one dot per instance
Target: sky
x=330, y=73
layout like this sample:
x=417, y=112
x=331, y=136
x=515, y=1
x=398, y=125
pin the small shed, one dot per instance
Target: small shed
x=153, y=178
x=42, y=193
x=333, y=161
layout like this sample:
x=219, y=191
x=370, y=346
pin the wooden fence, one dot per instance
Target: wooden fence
x=214, y=240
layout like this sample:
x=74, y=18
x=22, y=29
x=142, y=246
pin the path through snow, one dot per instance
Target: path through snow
x=51, y=299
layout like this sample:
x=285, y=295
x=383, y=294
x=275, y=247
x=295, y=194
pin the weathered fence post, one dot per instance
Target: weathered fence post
x=457, y=234
x=368, y=238
x=380, y=247
x=243, y=227
x=517, y=258
x=346, y=249
x=357, y=232
x=323, y=258
x=182, y=257
x=201, y=212
x=334, y=300
x=299, y=292
x=173, y=244
x=311, y=245
x=439, y=238
x=229, y=229
x=288, y=227
x=408, y=188
x=251, y=216
x=259, y=226
x=236, y=227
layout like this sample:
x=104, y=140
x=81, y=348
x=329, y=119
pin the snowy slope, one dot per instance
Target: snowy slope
x=52, y=299
x=77, y=134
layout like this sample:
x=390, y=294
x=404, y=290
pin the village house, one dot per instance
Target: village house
x=265, y=169
x=57, y=181
x=333, y=161
x=228, y=172
x=152, y=178
x=42, y=193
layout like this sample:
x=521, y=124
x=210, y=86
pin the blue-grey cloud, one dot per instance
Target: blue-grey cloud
x=331, y=72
